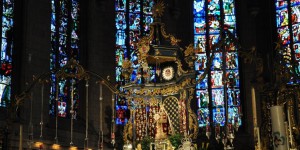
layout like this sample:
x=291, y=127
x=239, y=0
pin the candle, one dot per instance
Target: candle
x=254, y=106
x=278, y=128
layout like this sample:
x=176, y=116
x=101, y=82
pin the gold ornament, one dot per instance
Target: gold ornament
x=158, y=9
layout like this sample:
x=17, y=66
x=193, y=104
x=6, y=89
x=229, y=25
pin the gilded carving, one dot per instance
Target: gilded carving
x=67, y=71
x=180, y=71
x=174, y=41
x=168, y=90
x=189, y=51
x=189, y=55
x=128, y=136
x=193, y=121
x=158, y=9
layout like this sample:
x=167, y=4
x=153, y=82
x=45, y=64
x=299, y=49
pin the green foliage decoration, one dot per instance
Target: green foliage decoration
x=175, y=140
x=146, y=143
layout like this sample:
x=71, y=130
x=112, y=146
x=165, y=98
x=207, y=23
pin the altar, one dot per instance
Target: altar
x=159, y=86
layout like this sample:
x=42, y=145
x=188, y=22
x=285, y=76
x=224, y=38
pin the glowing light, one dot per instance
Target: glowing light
x=55, y=146
x=39, y=145
x=73, y=148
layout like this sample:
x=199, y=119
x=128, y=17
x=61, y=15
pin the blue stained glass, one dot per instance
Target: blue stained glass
x=281, y=4
x=219, y=116
x=53, y=23
x=152, y=74
x=67, y=16
x=134, y=6
x=201, y=60
x=134, y=21
x=203, y=83
x=120, y=21
x=282, y=17
x=229, y=22
x=199, y=8
x=295, y=2
x=217, y=62
x=233, y=115
x=231, y=97
x=148, y=20
x=120, y=5
x=6, y=51
x=283, y=30
x=216, y=69
x=120, y=37
x=214, y=7
x=126, y=54
x=229, y=9
x=127, y=36
x=199, y=24
x=284, y=35
x=203, y=116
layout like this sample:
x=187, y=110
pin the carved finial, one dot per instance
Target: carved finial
x=158, y=9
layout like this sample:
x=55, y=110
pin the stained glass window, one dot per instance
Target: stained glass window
x=6, y=51
x=64, y=46
x=133, y=19
x=288, y=29
x=211, y=18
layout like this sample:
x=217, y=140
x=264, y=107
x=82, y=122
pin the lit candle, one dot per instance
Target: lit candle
x=254, y=106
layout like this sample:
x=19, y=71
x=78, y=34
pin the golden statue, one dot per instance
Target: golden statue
x=128, y=136
x=139, y=147
x=160, y=118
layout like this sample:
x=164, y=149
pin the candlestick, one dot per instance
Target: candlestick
x=21, y=138
x=286, y=126
x=290, y=127
x=257, y=138
x=254, y=106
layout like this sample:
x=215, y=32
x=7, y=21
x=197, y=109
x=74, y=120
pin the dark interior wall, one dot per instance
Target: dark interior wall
x=36, y=46
x=100, y=58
